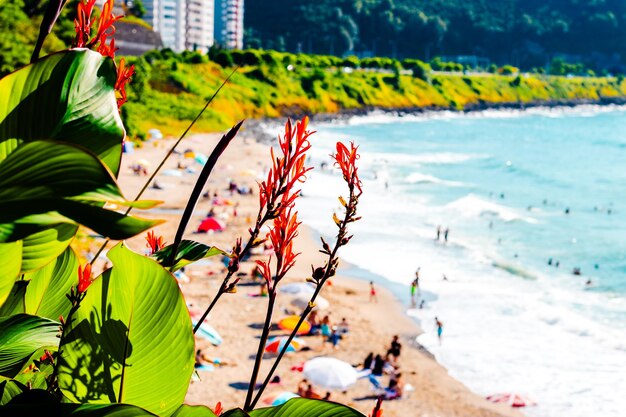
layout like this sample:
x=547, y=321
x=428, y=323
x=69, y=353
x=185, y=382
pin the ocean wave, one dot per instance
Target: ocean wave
x=419, y=178
x=474, y=206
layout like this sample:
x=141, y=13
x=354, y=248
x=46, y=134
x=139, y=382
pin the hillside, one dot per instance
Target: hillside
x=526, y=33
x=168, y=93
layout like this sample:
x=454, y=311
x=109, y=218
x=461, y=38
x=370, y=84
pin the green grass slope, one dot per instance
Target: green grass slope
x=168, y=94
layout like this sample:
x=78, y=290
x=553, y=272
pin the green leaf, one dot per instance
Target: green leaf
x=21, y=336
x=43, y=184
x=189, y=251
x=9, y=389
x=193, y=411
x=67, y=96
x=133, y=333
x=10, y=266
x=302, y=407
x=36, y=407
x=41, y=248
x=14, y=303
x=109, y=410
x=45, y=294
x=237, y=412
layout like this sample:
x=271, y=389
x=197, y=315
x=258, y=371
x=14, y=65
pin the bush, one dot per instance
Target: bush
x=419, y=68
x=350, y=62
x=508, y=70
x=224, y=58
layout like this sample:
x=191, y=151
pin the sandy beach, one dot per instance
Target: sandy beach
x=237, y=317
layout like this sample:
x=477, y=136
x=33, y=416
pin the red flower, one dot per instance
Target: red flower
x=266, y=271
x=345, y=159
x=217, y=410
x=288, y=168
x=123, y=76
x=155, y=243
x=47, y=356
x=377, y=411
x=106, y=30
x=281, y=235
x=82, y=23
x=84, y=278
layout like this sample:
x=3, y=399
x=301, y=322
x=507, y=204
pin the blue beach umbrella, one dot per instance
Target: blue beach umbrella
x=207, y=332
x=282, y=398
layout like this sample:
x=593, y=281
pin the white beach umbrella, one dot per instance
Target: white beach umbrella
x=297, y=288
x=302, y=301
x=330, y=373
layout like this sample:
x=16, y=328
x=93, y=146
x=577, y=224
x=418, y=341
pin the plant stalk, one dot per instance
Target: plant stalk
x=260, y=350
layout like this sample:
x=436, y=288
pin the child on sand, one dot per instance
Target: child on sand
x=373, y=297
x=439, y=325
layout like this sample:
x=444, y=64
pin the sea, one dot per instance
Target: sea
x=534, y=296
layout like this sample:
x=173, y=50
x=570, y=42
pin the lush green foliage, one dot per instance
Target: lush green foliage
x=524, y=32
x=169, y=89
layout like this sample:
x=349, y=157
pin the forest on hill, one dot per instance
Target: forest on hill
x=524, y=33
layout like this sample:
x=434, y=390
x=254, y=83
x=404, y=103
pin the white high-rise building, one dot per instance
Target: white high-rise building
x=229, y=23
x=200, y=18
x=168, y=17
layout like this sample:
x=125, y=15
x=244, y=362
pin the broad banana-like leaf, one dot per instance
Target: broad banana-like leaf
x=193, y=411
x=21, y=336
x=36, y=404
x=45, y=293
x=42, y=178
x=10, y=267
x=188, y=252
x=303, y=407
x=9, y=389
x=67, y=96
x=42, y=247
x=132, y=333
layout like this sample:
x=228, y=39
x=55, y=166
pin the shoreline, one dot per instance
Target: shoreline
x=258, y=127
x=236, y=317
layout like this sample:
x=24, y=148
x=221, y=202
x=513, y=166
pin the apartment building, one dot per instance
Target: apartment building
x=168, y=18
x=200, y=18
x=229, y=23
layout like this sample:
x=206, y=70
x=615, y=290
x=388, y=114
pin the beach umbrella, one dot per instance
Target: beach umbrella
x=298, y=288
x=210, y=223
x=144, y=163
x=207, y=332
x=280, y=399
x=511, y=399
x=330, y=373
x=189, y=154
x=289, y=323
x=276, y=344
x=303, y=301
x=155, y=134
x=201, y=158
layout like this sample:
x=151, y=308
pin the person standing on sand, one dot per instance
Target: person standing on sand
x=373, y=297
x=445, y=234
x=439, y=325
x=438, y=233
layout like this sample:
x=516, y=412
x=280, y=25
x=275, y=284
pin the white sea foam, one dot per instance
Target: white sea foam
x=419, y=178
x=474, y=206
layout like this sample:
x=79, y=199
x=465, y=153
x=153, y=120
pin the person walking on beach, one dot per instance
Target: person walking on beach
x=439, y=325
x=438, y=233
x=373, y=297
x=445, y=235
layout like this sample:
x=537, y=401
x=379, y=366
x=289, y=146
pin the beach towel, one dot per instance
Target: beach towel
x=207, y=368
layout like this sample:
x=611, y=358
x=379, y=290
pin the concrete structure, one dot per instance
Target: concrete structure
x=168, y=18
x=229, y=23
x=200, y=18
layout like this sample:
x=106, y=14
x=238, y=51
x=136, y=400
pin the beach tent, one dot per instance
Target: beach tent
x=511, y=399
x=207, y=332
x=279, y=399
x=289, y=323
x=330, y=373
x=155, y=134
x=298, y=288
x=303, y=301
x=210, y=223
x=276, y=344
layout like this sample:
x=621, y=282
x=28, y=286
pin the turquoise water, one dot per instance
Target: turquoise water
x=516, y=190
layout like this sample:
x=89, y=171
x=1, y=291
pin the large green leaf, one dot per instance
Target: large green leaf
x=14, y=303
x=41, y=248
x=302, y=407
x=21, y=336
x=188, y=252
x=10, y=266
x=67, y=96
x=131, y=339
x=45, y=294
x=43, y=184
x=193, y=411
x=34, y=406
x=10, y=389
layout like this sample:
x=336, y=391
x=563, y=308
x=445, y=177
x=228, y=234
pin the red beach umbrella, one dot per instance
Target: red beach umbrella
x=210, y=223
x=512, y=399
